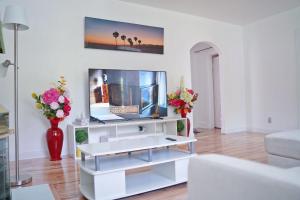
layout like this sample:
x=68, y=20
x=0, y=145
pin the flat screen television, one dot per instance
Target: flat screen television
x=127, y=94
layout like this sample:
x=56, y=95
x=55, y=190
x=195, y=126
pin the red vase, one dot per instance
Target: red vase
x=183, y=115
x=55, y=138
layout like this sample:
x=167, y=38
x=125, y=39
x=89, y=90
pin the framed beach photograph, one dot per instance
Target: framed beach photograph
x=122, y=36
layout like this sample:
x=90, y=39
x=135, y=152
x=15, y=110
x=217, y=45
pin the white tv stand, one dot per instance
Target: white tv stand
x=104, y=175
x=111, y=131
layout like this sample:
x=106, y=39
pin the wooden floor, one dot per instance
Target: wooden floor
x=63, y=176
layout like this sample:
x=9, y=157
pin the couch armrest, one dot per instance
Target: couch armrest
x=216, y=177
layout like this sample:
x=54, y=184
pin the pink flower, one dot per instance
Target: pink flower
x=176, y=102
x=61, y=99
x=54, y=105
x=190, y=91
x=67, y=101
x=67, y=108
x=187, y=105
x=67, y=113
x=60, y=113
x=50, y=96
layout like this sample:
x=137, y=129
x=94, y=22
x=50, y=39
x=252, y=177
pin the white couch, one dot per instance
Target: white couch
x=217, y=177
x=283, y=148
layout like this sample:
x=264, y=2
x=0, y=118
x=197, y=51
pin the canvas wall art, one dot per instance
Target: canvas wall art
x=113, y=35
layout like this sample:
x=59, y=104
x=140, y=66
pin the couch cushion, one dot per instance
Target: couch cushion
x=286, y=144
x=283, y=162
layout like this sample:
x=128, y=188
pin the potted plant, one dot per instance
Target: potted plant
x=80, y=136
x=55, y=105
x=183, y=100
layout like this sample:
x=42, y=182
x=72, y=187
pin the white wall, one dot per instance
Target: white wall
x=54, y=46
x=272, y=78
x=202, y=82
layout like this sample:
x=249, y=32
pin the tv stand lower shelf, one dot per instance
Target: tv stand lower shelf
x=115, y=178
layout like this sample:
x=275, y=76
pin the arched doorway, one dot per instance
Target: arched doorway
x=205, y=69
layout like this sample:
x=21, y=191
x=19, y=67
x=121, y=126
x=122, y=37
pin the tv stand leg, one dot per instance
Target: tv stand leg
x=82, y=157
x=149, y=155
x=192, y=148
x=97, y=163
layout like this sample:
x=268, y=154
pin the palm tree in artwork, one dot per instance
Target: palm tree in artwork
x=116, y=35
x=130, y=41
x=123, y=37
x=135, y=39
x=139, y=41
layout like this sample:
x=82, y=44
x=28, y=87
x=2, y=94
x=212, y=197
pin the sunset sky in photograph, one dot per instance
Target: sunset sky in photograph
x=101, y=32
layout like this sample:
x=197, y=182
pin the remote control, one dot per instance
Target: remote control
x=171, y=139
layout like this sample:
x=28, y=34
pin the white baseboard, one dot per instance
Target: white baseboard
x=262, y=130
x=234, y=130
x=33, y=154
x=204, y=125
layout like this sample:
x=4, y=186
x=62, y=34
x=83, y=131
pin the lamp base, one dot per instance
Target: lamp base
x=23, y=180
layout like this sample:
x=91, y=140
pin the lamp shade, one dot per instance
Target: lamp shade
x=15, y=15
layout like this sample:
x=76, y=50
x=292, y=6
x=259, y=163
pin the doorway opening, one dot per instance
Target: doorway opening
x=205, y=69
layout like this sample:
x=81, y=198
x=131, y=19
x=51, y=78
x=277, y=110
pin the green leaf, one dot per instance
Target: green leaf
x=81, y=136
x=180, y=126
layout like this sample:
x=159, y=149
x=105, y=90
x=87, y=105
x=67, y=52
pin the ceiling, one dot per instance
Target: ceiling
x=240, y=12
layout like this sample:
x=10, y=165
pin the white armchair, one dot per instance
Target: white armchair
x=217, y=177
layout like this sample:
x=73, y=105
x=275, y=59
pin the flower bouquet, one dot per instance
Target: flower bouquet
x=183, y=100
x=55, y=104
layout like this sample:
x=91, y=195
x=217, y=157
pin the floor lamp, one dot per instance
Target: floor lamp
x=14, y=19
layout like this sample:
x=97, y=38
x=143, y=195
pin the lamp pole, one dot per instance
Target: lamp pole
x=14, y=19
x=23, y=179
x=16, y=102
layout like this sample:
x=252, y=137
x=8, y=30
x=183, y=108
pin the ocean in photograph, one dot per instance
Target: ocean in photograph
x=113, y=35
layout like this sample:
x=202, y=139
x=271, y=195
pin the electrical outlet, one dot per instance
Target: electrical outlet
x=270, y=120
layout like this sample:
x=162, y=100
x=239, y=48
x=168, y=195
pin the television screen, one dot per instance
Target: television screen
x=127, y=94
